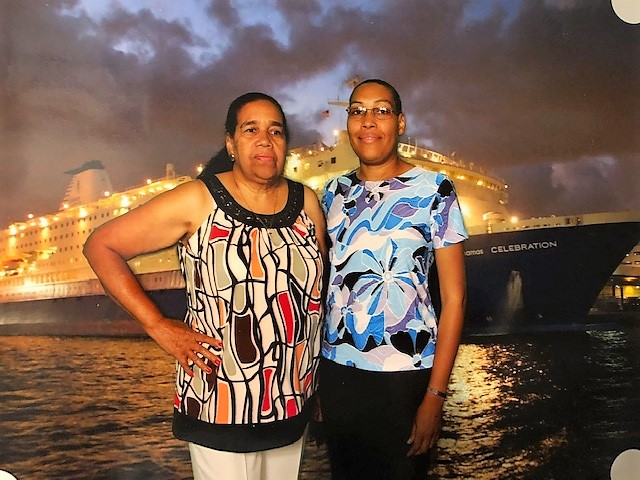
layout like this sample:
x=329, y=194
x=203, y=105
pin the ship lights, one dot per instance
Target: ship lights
x=107, y=194
x=149, y=181
x=82, y=212
x=44, y=222
x=514, y=219
x=30, y=216
x=65, y=206
x=125, y=201
x=13, y=230
x=200, y=168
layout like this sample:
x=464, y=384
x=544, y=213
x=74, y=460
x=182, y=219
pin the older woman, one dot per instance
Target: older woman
x=386, y=357
x=251, y=246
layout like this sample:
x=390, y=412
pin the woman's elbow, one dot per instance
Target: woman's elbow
x=89, y=248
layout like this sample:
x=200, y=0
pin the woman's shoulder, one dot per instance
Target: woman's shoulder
x=341, y=181
x=437, y=179
x=192, y=196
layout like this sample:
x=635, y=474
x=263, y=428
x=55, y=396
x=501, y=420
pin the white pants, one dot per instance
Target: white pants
x=276, y=464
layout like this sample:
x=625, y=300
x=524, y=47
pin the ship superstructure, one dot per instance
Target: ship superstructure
x=42, y=257
x=519, y=273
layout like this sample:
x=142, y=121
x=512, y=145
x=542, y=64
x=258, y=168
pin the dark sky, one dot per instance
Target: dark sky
x=545, y=93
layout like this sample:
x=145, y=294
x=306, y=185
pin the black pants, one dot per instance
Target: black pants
x=368, y=418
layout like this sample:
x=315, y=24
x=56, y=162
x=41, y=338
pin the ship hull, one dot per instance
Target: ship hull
x=541, y=278
x=94, y=315
x=516, y=281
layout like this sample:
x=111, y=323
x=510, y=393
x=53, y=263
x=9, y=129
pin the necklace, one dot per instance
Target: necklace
x=258, y=216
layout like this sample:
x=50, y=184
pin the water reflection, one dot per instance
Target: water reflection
x=521, y=407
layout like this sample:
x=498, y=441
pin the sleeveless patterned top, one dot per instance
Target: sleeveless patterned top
x=253, y=281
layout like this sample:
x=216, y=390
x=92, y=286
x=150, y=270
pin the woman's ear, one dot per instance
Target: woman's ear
x=402, y=124
x=230, y=146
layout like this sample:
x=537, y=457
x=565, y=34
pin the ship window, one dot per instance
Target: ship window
x=295, y=169
x=333, y=160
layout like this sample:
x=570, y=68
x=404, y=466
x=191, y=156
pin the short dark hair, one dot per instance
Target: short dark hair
x=394, y=93
x=221, y=162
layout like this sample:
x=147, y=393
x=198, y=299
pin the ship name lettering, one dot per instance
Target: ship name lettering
x=518, y=247
x=471, y=253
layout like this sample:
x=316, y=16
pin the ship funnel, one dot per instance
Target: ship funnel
x=89, y=183
x=171, y=172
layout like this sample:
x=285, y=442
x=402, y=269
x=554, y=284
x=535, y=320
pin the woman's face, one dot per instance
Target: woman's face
x=258, y=143
x=374, y=140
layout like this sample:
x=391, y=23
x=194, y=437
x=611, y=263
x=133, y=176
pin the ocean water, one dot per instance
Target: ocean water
x=538, y=406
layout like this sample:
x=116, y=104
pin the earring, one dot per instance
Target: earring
x=233, y=157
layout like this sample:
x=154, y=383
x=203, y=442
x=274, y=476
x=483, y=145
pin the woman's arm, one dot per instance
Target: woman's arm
x=161, y=222
x=451, y=275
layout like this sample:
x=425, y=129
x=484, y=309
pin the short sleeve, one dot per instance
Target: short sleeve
x=447, y=224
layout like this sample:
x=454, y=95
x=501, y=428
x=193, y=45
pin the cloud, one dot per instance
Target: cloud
x=590, y=184
x=547, y=88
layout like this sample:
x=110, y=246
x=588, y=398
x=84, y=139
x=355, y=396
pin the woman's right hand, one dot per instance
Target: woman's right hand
x=185, y=344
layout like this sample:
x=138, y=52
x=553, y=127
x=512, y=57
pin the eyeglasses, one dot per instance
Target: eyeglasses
x=381, y=113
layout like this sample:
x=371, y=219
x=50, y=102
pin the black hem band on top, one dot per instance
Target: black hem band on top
x=240, y=438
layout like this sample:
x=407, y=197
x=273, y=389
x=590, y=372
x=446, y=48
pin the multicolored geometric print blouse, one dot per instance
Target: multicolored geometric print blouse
x=383, y=234
x=254, y=281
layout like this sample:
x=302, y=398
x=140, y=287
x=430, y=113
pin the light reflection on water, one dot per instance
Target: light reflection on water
x=546, y=406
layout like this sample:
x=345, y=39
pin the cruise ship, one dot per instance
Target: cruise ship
x=521, y=275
